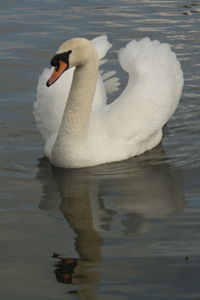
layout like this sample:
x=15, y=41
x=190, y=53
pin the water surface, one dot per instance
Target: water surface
x=127, y=230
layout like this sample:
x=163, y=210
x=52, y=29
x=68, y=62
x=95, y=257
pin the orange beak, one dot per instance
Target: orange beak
x=57, y=72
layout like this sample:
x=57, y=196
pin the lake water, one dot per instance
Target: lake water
x=128, y=230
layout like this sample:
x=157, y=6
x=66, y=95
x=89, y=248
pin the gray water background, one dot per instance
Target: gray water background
x=131, y=229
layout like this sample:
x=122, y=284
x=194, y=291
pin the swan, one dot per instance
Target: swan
x=71, y=111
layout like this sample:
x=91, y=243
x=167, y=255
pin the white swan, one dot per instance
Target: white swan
x=80, y=129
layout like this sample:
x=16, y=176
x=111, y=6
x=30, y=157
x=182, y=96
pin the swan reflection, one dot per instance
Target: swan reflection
x=121, y=199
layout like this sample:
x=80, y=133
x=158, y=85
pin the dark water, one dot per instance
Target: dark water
x=129, y=230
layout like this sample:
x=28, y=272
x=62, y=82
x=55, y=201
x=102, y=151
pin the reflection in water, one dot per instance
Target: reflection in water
x=123, y=197
x=65, y=268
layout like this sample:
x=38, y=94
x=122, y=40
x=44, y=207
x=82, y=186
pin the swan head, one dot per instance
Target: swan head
x=72, y=53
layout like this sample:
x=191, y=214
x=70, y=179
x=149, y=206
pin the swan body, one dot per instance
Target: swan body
x=79, y=127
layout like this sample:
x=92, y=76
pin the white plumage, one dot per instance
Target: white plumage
x=128, y=126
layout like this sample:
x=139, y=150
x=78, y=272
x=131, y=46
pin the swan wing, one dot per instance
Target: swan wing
x=107, y=82
x=50, y=103
x=152, y=93
x=49, y=106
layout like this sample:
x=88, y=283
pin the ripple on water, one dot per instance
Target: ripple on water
x=125, y=227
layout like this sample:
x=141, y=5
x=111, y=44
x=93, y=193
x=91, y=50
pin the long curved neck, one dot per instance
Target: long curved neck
x=74, y=126
x=77, y=112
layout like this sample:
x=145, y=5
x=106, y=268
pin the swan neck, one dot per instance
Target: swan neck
x=77, y=112
x=74, y=126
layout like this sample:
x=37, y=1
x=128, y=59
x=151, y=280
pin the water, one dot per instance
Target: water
x=127, y=230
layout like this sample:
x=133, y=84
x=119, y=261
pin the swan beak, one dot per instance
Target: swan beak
x=57, y=72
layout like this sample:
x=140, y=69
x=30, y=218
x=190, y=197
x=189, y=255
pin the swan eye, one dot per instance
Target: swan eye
x=61, y=56
x=54, y=61
x=57, y=66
